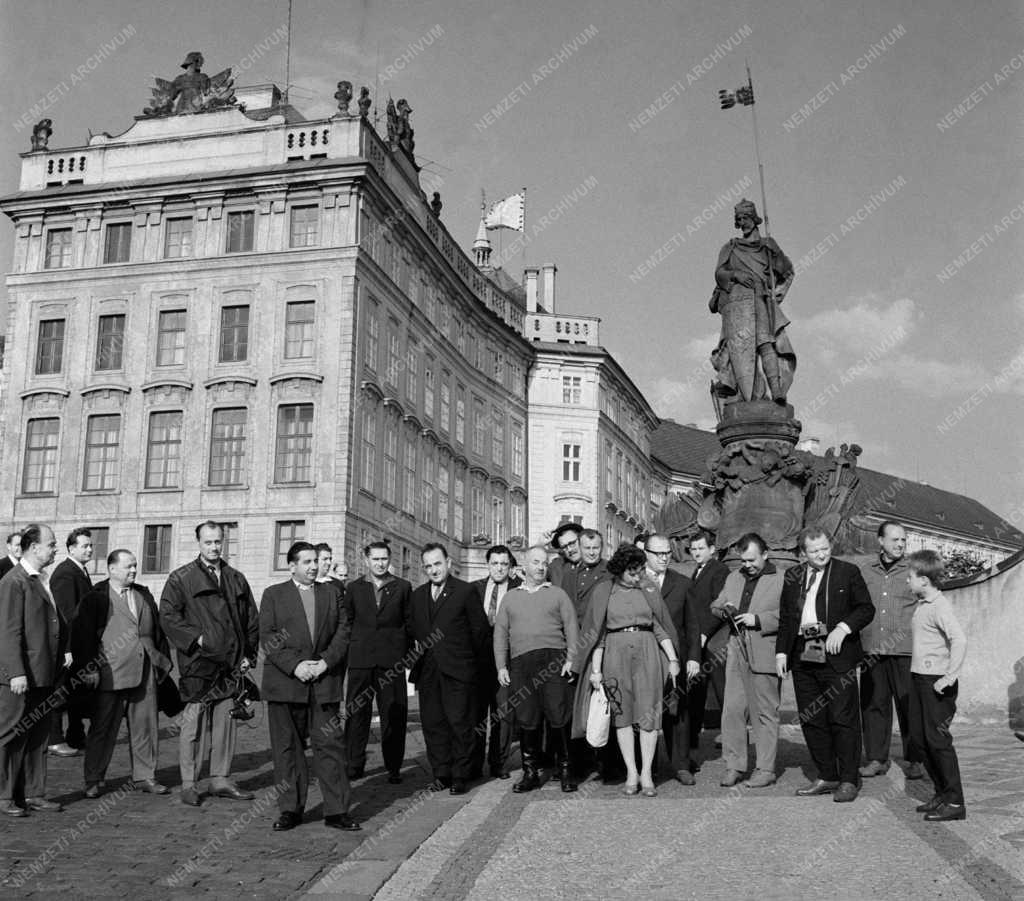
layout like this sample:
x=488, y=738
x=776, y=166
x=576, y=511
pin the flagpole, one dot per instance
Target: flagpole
x=757, y=151
x=524, y=232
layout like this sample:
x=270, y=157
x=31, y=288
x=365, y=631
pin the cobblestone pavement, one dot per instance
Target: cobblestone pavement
x=704, y=841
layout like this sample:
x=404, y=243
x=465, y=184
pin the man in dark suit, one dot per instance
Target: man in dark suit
x=675, y=715
x=33, y=642
x=824, y=606
x=13, y=554
x=305, y=636
x=70, y=583
x=493, y=708
x=592, y=569
x=377, y=608
x=116, y=637
x=450, y=630
x=706, y=585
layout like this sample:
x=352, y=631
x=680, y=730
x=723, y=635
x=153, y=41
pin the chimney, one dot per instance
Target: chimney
x=530, y=276
x=549, y=287
x=813, y=445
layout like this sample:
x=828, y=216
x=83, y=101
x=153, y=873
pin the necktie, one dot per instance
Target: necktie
x=492, y=604
x=129, y=602
x=435, y=593
x=215, y=572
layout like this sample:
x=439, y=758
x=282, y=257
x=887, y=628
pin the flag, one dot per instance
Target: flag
x=507, y=213
x=743, y=95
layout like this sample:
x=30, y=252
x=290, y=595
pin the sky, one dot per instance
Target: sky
x=890, y=134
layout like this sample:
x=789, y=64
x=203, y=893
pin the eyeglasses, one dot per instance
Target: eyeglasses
x=569, y=544
x=660, y=553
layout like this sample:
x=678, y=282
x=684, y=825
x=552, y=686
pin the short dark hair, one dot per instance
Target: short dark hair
x=708, y=537
x=498, y=549
x=209, y=524
x=592, y=533
x=31, y=534
x=14, y=535
x=927, y=563
x=641, y=537
x=115, y=553
x=885, y=525
x=297, y=548
x=626, y=557
x=381, y=544
x=433, y=546
x=322, y=546
x=809, y=533
x=748, y=539
x=75, y=534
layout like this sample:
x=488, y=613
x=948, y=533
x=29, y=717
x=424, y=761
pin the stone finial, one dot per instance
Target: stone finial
x=41, y=132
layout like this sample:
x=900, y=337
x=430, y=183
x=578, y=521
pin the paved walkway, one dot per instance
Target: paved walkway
x=704, y=842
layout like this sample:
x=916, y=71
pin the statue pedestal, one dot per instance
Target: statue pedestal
x=746, y=420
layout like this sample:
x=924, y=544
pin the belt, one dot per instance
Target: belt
x=632, y=629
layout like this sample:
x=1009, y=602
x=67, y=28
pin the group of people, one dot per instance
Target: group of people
x=493, y=659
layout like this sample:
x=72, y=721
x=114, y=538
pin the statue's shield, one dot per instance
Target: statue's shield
x=738, y=327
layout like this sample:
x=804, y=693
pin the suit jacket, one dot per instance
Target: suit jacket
x=488, y=669
x=90, y=622
x=378, y=637
x=764, y=604
x=453, y=632
x=587, y=578
x=701, y=594
x=842, y=597
x=285, y=638
x=6, y=565
x=673, y=592
x=33, y=634
x=69, y=584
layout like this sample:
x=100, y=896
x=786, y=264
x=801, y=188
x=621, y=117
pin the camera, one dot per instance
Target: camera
x=814, y=630
x=244, y=700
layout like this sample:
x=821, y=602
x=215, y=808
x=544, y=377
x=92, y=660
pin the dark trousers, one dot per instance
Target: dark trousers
x=494, y=731
x=885, y=683
x=72, y=706
x=541, y=692
x=829, y=708
x=448, y=718
x=23, y=758
x=711, y=680
x=388, y=687
x=676, y=727
x=931, y=715
x=109, y=708
x=290, y=725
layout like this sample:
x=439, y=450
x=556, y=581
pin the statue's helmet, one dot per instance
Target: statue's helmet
x=746, y=208
x=194, y=57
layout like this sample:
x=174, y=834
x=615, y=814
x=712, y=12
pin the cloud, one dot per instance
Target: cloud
x=685, y=400
x=855, y=330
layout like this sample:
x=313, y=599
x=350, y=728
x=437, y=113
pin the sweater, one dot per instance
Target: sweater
x=532, y=620
x=940, y=644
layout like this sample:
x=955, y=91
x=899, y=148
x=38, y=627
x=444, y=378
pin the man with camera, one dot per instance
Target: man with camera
x=208, y=613
x=823, y=608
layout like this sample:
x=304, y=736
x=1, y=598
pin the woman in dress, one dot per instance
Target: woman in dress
x=630, y=645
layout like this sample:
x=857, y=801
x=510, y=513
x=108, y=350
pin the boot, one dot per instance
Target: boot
x=564, y=760
x=770, y=364
x=529, y=740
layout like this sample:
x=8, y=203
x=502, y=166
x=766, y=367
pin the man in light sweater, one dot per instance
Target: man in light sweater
x=536, y=630
x=940, y=646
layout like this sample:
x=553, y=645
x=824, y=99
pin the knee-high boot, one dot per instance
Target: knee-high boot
x=564, y=759
x=529, y=741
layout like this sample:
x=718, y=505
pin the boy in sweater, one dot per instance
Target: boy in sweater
x=939, y=647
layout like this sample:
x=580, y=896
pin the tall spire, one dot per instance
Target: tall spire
x=482, y=244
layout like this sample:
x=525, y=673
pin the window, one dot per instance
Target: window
x=429, y=303
x=305, y=226
x=50, y=347
x=118, y=243
x=571, y=390
x=459, y=508
x=369, y=445
x=518, y=451
x=476, y=513
x=299, y=320
x=498, y=520
x=570, y=462
x=178, y=238
x=294, y=459
x=372, y=339
x=412, y=371
x=394, y=360
x=518, y=517
x=227, y=446
x=156, y=550
x=460, y=418
x=110, y=342
x=409, y=486
x=429, y=483
x=100, y=549
x=288, y=531
x=390, y=457
x=170, y=339
x=240, y=231
x=499, y=368
x=479, y=426
x=428, y=388
x=443, y=477
x=229, y=545
x=163, y=450
x=460, y=337
x=40, y=474
x=102, y=453
x=609, y=535
x=618, y=475
x=443, y=317
x=609, y=472
x=498, y=437
x=58, y=248
x=234, y=334
x=446, y=403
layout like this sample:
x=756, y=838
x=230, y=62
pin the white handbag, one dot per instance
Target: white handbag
x=599, y=719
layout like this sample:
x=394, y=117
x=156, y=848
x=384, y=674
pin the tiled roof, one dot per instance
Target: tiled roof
x=686, y=449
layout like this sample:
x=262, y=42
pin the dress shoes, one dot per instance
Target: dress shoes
x=232, y=791
x=458, y=787
x=818, y=787
x=41, y=804
x=64, y=750
x=92, y=790
x=945, y=812
x=914, y=770
x=847, y=791
x=191, y=797
x=933, y=804
x=10, y=809
x=341, y=821
x=498, y=772
x=760, y=780
x=444, y=781
x=150, y=786
x=730, y=778
x=288, y=819
x=685, y=777
x=394, y=778
x=875, y=768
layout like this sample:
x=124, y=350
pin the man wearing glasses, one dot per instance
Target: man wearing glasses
x=563, y=570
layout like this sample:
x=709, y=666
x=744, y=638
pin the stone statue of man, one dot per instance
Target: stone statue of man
x=754, y=359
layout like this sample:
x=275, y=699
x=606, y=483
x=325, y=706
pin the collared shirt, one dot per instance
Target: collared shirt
x=41, y=576
x=657, y=578
x=495, y=593
x=307, y=594
x=436, y=590
x=378, y=589
x=750, y=584
x=890, y=631
x=534, y=588
x=80, y=565
x=213, y=569
x=810, y=612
